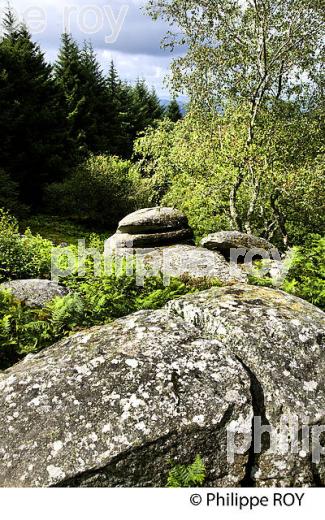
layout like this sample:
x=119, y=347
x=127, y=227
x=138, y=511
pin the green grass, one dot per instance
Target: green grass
x=60, y=230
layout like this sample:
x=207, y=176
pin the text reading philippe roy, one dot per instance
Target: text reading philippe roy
x=246, y=501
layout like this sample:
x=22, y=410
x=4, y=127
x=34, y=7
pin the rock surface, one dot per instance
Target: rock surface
x=113, y=406
x=152, y=227
x=224, y=241
x=182, y=261
x=34, y=293
x=152, y=220
x=125, y=240
x=279, y=340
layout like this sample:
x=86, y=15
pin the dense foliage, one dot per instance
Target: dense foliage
x=32, y=123
x=192, y=165
x=102, y=190
x=306, y=272
x=306, y=277
x=27, y=256
x=94, y=301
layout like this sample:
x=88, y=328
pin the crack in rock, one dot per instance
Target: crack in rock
x=258, y=404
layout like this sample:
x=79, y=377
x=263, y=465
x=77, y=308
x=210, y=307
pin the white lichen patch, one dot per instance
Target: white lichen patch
x=56, y=447
x=133, y=363
x=199, y=419
x=55, y=473
x=310, y=386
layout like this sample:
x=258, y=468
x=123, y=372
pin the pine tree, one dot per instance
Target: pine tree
x=155, y=108
x=146, y=108
x=116, y=129
x=121, y=129
x=89, y=107
x=10, y=25
x=173, y=111
x=113, y=80
x=68, y=76
x=32, y=148
x=98, y=109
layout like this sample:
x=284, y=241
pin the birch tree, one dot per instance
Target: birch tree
x=252, y=53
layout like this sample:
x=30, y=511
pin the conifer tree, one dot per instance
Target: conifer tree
x=118, y=103
x=32, y=147
x=173, y=112
x=98, y=109
x=89, y=105
x=113, y=80
x=146, y=108
x=68, y=76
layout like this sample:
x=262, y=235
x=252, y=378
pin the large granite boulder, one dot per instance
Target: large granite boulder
x=279, y=340
x=224, y=241
x=181, y=261
x=34, y=293
x=118, y=404
x=114, y=405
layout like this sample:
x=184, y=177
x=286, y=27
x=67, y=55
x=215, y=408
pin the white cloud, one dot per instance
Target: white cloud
x=136, y=51
x=134, y=66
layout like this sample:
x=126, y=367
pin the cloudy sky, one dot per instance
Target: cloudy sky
x=119, y=29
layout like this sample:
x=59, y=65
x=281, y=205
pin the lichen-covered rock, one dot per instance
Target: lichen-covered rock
x=113, y=406
x=224, y=241
x=152, y=220
x=279, y=340
x=182, y=261
x=34, y=293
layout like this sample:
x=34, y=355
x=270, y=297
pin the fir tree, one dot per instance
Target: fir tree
x=113, y=81
x=173, y=111
x=90, y=111
x=118, y=113
x=146, y=108
x=98, y=109
x=32, y=148
x=68, y=76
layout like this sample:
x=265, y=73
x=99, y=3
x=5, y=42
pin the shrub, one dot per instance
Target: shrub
x=101, y=191
x=25, y=256
x=21, y=256
x=187, y=476
x=306, y=277
x=110, y=296
x=22, y=330
x=57, y=229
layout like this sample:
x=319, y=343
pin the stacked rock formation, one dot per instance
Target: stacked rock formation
x=152, y=227
x=163, y=243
